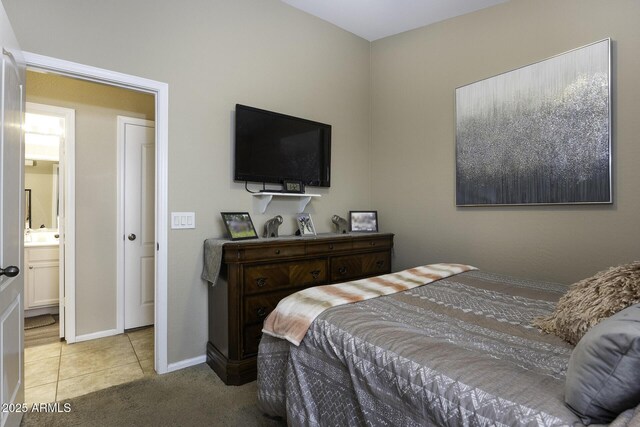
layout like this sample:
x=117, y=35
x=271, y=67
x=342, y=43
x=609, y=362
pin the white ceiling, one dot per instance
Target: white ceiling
x=375, y=19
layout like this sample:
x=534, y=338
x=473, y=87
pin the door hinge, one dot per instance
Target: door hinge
x=157, y=246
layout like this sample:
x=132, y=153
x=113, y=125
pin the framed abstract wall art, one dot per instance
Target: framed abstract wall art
x=540, y=134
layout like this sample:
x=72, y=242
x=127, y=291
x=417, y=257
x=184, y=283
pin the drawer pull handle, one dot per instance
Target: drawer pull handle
x=379, y=264
x=315, y=274
x=372, y=243
x=330, y=246
x=342, y=271
x=261, y=281
x=277, y=251
x=261, y=312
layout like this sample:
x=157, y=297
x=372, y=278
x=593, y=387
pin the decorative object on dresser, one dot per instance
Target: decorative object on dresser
x=366, y=221
x=239, y=225
x=540, y=134
x=255, y=275
x=342, y=225
x=293, y=186
x=271, y=226
x=305, y=225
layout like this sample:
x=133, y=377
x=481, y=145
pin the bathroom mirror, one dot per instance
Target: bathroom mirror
x=41, y=178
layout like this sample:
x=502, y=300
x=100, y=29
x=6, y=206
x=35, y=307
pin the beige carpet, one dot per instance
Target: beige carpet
x=190, y=397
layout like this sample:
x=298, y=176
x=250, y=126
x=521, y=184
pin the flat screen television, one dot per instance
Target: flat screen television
x=273, y=147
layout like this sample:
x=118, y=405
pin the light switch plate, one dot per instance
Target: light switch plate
x=181, y=220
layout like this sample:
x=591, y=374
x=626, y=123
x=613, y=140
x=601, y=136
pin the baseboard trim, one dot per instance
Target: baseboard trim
x=96, y=335
x=176, y=366
x=32, y=312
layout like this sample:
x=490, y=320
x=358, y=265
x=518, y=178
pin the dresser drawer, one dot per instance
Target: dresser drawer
x=281, y=251
x=325, y=248
x=258, y=307
x=376, y=263
x=298, y=274
x=381, y=243
x=308, y=273
x=347, y=267
x=259, y=278
x=356, y=266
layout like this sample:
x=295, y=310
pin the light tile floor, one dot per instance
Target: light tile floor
x=58, y=371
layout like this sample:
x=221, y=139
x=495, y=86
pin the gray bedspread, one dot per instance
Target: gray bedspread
x=459, y=351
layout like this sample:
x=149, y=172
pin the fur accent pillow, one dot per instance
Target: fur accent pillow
x=590, y=300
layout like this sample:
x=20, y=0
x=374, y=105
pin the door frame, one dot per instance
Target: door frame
x=120, y=262
x=161, y=92
x=67, y=304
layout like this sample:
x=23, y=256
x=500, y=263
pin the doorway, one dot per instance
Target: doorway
x=160, y=92
x=49, y=226
x=54, y=372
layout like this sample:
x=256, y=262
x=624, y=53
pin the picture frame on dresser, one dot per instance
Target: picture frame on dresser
x=305, y=224
x=239, y=225
x=363, y=221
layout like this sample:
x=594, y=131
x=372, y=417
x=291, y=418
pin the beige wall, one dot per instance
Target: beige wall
x=414, y=76
x=214, y=54
x=39, y=178
x=97, y=107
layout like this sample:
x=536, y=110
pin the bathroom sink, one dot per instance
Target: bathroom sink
x=41, y=237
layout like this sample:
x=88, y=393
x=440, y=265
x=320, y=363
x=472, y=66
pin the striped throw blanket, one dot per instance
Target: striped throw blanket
x=295, y=313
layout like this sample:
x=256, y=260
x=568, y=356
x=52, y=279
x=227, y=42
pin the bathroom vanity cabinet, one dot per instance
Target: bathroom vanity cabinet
x=41, y=276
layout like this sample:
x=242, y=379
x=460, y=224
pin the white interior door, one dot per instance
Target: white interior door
x=139, y=229
x=12, y=223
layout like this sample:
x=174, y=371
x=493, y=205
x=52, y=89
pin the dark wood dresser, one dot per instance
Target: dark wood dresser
x=256, y=274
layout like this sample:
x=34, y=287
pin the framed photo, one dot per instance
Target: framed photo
x=239, y=225
x=365, y=221
x=305, y=225
x=293, y=186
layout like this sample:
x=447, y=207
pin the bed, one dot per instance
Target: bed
x=458, y=351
